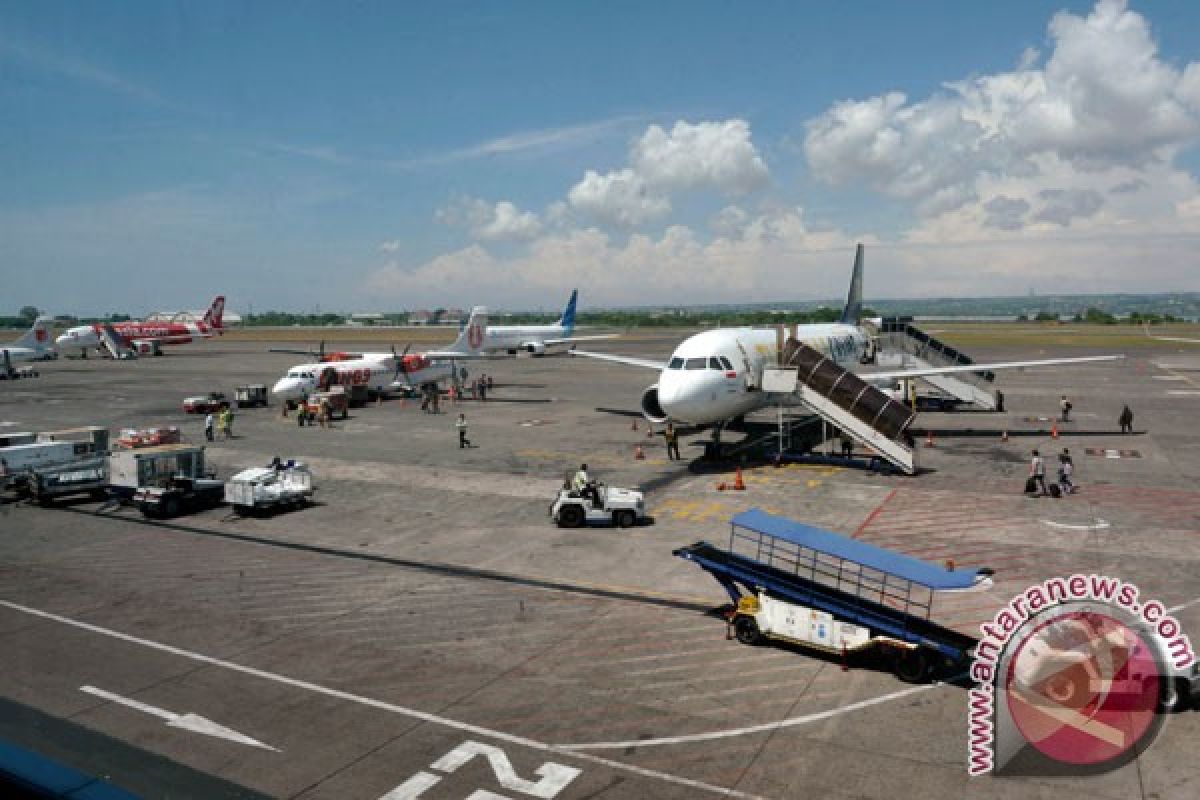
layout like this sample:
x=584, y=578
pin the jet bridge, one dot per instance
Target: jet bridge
x=844, y=400
x=918, y=350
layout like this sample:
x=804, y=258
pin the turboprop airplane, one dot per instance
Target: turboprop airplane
x=384, y=372
x=143, y=336
x=716, y=376
x=34, y=344
x=534, y=339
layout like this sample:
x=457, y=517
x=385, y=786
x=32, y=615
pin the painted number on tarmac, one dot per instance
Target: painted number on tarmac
x=553, y=778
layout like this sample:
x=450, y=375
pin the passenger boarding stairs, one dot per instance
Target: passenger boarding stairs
x=901, y=344
x=112, y=343
x=843, y=400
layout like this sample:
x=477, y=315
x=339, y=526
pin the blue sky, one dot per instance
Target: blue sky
x=395, y=155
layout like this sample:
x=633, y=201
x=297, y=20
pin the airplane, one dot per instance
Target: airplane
x=534, y=339
x=144, y=336
x=713, y=377
x=392, y=371
x=34, y=344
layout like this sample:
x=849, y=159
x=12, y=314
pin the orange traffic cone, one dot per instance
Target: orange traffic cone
x=1004, y=436
x=1054, y=431
x=738, y=483
x=929, y=439
x=639, y=454
x=950, y=564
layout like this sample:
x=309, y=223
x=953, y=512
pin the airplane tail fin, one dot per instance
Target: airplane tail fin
x=567, y=320
x=213, y=317
x=852, y=313
x=38, y=336
x=470, y=338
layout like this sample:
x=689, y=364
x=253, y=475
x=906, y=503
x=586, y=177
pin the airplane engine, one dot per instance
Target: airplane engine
x=651, y=410
x=536, y=348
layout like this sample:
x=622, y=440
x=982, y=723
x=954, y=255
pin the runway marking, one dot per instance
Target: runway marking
x=866, y=523
x=188, y=722
x=751, y=729
x=1184, y=392
x=1182, y=606
x=1099, y=525
x=381, y=705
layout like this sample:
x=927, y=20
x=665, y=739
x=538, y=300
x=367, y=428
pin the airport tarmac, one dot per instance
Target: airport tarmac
x=424, y=631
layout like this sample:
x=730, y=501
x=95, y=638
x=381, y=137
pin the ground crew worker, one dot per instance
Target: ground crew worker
x=229, y=422
x=461, y=425
x=1066, y=408
x=1126, y=420
x=1066, y=472
x=582, y=483
x=208, y=427
x=1037, y=471
x=326, y=414
x=301, y=413
x=671, y=437
x=847, y=445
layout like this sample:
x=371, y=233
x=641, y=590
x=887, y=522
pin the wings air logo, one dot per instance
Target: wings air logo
x=474, y=336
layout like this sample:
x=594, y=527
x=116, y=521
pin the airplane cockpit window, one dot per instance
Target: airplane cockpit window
x=714, y=363
x=676, y=363
x=695, y=363
x=725, y=363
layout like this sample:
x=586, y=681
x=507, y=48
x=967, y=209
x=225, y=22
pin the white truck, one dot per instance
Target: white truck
x=277, y=486
x=602, y=504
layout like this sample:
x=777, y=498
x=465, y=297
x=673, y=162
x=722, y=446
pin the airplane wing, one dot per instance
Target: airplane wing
x=917, y=373
x=634, y=362
x=570, y=339
x=452, y=355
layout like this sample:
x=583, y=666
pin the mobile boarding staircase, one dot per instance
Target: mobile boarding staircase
x=888, y=593
x=113, y=344
x=918, y=350
x=845, y=401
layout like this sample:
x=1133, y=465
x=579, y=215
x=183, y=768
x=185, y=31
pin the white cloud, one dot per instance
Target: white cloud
x=1005, y=213
x=618, y=198
x=392, y=246
x=1063, y=205
x=1103, y=100
x=502, y=221
x=715, y=155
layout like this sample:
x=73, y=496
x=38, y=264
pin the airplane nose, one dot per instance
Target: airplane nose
x=287, y=388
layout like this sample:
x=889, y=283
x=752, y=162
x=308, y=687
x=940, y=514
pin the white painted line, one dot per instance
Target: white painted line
x=1168, y=377
x=764, y=728
x=381, y=705
x=1184, y=392
x=1182, y=606
x=1099, y=525
x=188, y=722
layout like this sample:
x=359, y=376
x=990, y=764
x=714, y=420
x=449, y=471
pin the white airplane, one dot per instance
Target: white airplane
x=34, y=344
x=534, y=339
x=713, y=377
x=384, y=372
x=144, y=336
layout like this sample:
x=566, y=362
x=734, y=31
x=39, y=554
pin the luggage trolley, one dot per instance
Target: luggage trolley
x=796, y=583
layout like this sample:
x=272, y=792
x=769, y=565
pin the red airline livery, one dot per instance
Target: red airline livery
x=143, y=335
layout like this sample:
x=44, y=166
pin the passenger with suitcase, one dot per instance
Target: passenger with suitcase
x=1037, y=475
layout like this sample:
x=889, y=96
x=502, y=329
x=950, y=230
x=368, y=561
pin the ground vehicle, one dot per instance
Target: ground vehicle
x=622, y=507
x=204, y=403
x=149, y=437
x=137, y=468
x=254, y=394
x=820, y=589
x=336, y=396
x=56, y=463
x=283, y=485
x=179, y=494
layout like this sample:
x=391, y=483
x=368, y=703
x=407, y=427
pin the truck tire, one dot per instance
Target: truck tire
x=170, y=507
x=570, y=516
x=911, y=666
x=1174, y=694
x=625, y=519
x=746, y=629
x=242, y=511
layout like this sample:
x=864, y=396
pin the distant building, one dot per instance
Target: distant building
x=366, y=318
x=452, y=316
x=420, y=318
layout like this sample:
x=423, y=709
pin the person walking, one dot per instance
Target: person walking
x=847, y=446
x=671, y=437
x=1037, y=473
x=208, y=426
x=229, y=421
x=461, y=425
x=1126, y=420
x=1065, y=404
x=1066, y=472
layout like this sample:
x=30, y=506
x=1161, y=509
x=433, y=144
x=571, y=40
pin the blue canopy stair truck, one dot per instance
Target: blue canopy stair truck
x=795, y=583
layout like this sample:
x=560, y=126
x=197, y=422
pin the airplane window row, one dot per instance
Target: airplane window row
x=712, y=362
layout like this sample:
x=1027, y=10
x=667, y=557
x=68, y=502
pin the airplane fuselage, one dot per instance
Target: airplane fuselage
x=86, y=337
x=531, y=338
x=302, y=380
x=714, y=376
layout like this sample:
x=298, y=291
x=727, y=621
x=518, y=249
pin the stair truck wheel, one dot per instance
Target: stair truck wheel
x=912, y=666
x=746, y=630
x=570, y=516
x=170, y=507
x=1174, y=694
x=625, y=519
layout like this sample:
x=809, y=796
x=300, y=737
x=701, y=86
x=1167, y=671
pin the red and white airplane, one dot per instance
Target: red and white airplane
x=144, y=336
x=384, y=372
